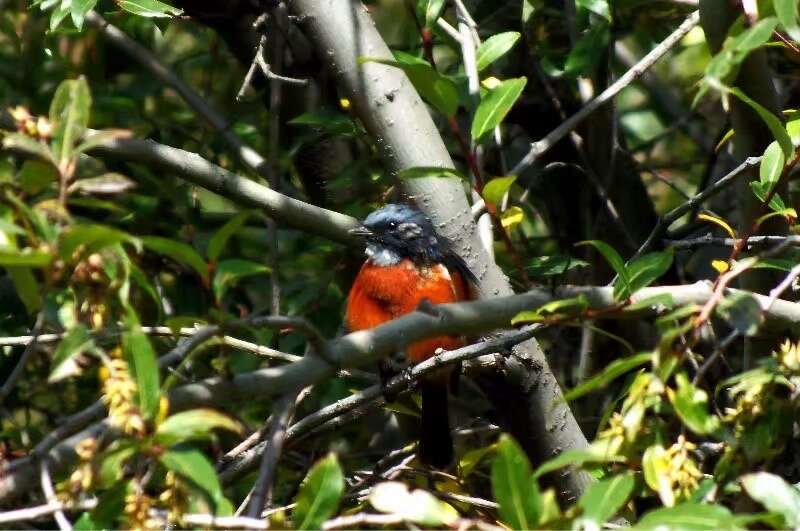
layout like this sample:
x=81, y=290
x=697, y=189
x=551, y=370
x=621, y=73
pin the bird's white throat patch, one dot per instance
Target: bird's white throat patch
x=381, y=256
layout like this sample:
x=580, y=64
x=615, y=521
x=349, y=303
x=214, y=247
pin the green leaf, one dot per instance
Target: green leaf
x=603, y=499
x=495, y=189
x=647, y=269
x=599, y=7
x=149, y=8
x=78, y=10
x=221, y=237
x=610, y=372
x=69, y=113
x=689, y=516
x=571, y=306
x=327, y=121
x=27, y=287
x=494, y=48
x=180, y=252
x=439, y=90
x=513, y=486
x=617, y=264
x=776, y=204
x=110, y=505
x=231, y=271
x=788, y=17
x=10, y=256
x=91, y=239
x=661, y=301
x=96, y=138
x=319, y=494
x=773, y=123
x=193, y=465
x=775, y=494
x=420, y=172
x=192, y=425
x=691, y=405
x=429, y=11
x=597, y=452
x=589, y=49
x=545, y=266
x=112, y=461
x=58, y=15
x=141, y=358
x=742, y=311
x=495, y=104
x=74, y=343
x=29, y=146
x=417, y=506
x=105, y=184
x=36, y=176
x=771, y=166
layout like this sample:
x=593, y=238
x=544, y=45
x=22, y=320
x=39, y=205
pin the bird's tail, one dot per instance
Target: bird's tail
x=435, y=441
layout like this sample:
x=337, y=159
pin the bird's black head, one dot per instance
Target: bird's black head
x=395, y=231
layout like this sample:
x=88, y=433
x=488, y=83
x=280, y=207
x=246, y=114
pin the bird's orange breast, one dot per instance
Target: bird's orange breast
x=382, y=293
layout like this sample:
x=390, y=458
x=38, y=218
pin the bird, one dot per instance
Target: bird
x=409, y=264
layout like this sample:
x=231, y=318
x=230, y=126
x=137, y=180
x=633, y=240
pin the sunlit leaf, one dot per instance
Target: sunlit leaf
x=69, y=113
x=776, y=495
x=149, y=8
x=494, y=191
x=610, y=372
x=417, y=506
x=691, y=405
x=192, y=425
x=179, y=251
x=742, y=311
x=141, y=359
x=495, y=105
x=513, y=486
x=603, y=499
x=689, y=516
x=193, y=465
x=74, y=343
x=494, y=48
x=319, y=494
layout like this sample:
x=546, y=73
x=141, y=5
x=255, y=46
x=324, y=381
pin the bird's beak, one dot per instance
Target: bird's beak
x=361, y=230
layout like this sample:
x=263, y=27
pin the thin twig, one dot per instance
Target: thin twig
x=262, y=490
x=30, y=348
x=543, y=146
x=46, y=510
x=50, y=496
x=753, y=241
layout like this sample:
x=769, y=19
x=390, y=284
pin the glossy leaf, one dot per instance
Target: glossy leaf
x=180, y=252
x=229, y=272
x=776, y=203
x=603, y=499
x=69, y=113
x=141, y=359
x=495, y=104
x=513, y=486
x=610, y=372
x=691, y=405
x=771, y=166
x=192, y=425
x=29, y=146
x=494, y=48
x=319, y=494
x=599, y=7
x=96, y=138
x=417, y=506
x=193, y=465
x=220, y=238
x=74, y=343
x=571, y=306
x=149, y=8
x=511, y=217
x=495, y=189
x=776, y=495
x=89, y=238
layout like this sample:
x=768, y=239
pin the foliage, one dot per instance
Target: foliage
x=119, y=263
